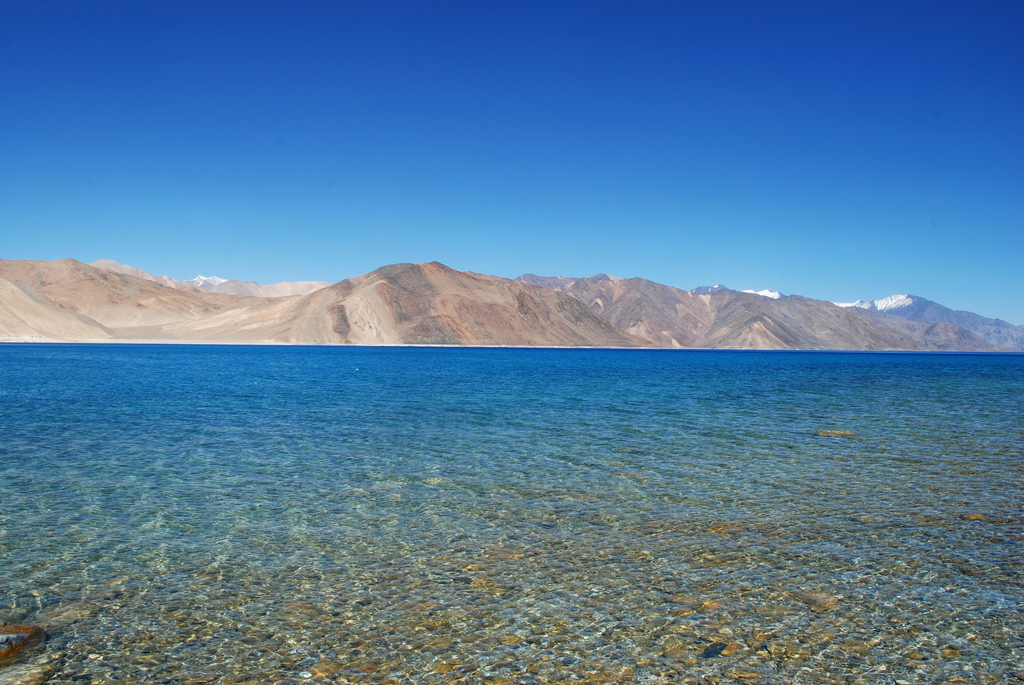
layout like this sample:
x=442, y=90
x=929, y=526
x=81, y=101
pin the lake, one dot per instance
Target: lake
x=432, y=515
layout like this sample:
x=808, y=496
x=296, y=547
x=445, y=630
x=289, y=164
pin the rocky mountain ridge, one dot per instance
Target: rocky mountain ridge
x=417, y=304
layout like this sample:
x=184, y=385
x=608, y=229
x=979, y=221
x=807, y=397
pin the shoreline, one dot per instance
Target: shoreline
x=270, y=343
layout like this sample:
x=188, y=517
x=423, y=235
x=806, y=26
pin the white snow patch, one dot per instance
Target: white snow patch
x=884, y=305
x=859, y=303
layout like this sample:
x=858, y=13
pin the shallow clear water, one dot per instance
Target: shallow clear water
x=234, y=514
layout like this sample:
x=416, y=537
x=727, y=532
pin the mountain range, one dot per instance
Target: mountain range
x=717, y=317
x=411, y=304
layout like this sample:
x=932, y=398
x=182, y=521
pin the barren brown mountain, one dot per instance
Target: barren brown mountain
x=670, y=317
x=418, y=304
x=666, y=316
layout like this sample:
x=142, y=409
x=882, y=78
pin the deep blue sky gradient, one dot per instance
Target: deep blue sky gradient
x=834, y=150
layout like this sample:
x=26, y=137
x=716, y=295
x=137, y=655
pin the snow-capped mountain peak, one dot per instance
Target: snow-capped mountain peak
x=202, y=282
x=893, y=302
x=766, y=293
x=886, y=304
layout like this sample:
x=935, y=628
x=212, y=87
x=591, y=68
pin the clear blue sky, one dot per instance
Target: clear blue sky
x=838, y=150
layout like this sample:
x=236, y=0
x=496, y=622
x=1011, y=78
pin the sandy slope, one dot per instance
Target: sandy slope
x=27, y=316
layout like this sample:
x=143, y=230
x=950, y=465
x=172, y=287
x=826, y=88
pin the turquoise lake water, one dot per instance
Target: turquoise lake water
x=247, y=514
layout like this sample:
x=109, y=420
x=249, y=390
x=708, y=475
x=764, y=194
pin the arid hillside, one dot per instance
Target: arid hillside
x=117, y=301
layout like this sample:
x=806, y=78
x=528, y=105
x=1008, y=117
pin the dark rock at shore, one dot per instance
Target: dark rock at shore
x=16, y=640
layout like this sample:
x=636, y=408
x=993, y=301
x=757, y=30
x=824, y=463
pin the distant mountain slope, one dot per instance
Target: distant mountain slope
x=550, y=282
x=418, y=304
x=213, y=284
x=937, y=335
x=709, y=289
x=917, y=308
x=794, y=322
x=112, y=299
x=670, y=317
x=666, y=316
x=253, y=289
x=28, y=316
x=216, y=284
x=111, y=265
